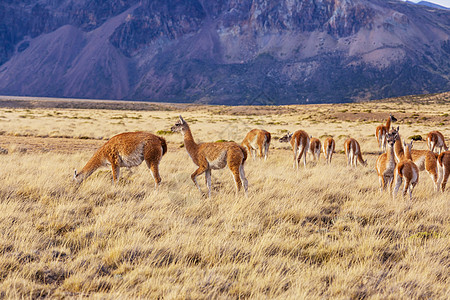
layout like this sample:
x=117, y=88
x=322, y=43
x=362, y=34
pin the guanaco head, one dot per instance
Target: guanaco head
x=407, y=147
x=77, y=177
x=393, y=119
x=180, y=126
x=286, y=138
x=392, y=136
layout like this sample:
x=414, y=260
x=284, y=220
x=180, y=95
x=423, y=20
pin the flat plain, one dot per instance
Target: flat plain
x=324, y=231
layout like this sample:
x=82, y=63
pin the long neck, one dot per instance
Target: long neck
x=93, y=164
x=390, y=153
x=388, y=124
x=408, y=153
x=189, y=143
x=398, y=148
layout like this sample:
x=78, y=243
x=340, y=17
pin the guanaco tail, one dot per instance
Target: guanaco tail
x=406, y=170
x=435, y=140
x=213, y=156
x=127, y=149
x=257, y=139
x=353, y=153
x=386, y=162
x=382, y=130
x=328, y=149
x=300, y=142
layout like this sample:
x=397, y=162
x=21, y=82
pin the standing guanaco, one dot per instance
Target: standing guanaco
x=444, y=169
x=314, y=148
x=353, y=153
x=406, y=169
x=382, y=130
x=425, y=160
x=386, y=162
x=257, y=139
x=299, y=141
x=127, y=149
x=328, y=149
x=213, y=156
x=435, y=140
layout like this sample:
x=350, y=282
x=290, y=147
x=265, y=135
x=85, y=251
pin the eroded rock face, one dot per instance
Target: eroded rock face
x=224, y=51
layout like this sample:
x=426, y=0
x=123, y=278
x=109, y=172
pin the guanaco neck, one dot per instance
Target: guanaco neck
x=390, y=153
x=93, y=164
x=398, y=148
x=190, y=144
x=408, y=153
x=388, y=124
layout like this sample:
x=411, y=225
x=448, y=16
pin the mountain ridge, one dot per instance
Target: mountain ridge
x=251, y=52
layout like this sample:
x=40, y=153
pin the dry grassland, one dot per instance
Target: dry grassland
x=323, y=231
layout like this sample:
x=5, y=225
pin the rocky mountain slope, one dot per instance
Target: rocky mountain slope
x=224, y=51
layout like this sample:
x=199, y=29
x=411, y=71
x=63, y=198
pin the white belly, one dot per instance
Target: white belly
x=220, y=162
x=133, y=159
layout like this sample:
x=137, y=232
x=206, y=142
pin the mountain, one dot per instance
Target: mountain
x=432, y=5
x=224, y=51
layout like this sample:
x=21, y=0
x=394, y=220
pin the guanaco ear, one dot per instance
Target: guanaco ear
x=75, y=174
x=182, y=120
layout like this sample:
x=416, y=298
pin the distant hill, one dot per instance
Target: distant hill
x=224, y=51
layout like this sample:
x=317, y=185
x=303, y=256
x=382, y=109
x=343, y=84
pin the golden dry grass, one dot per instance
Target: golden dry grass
x=320, y=232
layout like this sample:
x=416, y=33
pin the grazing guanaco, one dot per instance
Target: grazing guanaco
x=425, y=160
x=213, y=156
x=386, y=162
x=382, y=130
x=328, y=149
x=444, y=169
x=406, y=170
x=353, y=153
x=435, y=140
x=299, y=141
x=127, y=149
x=257, y=139
x=314, y=147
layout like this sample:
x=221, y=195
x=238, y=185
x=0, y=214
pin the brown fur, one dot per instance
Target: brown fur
x=353, y=153
x=386, y=163
x=328, y=149
x=314, y=147
x=299, y=141
x=213, y=156
x=406, y=170
x=435, y=140
x=425, y=160
x=257, y=139
x=127, y=149
x=382, y=130
x=444, y=169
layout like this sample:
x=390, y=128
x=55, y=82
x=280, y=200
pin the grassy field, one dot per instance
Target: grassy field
x=324, y=231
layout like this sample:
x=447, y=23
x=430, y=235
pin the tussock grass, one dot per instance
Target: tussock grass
x=323, y=231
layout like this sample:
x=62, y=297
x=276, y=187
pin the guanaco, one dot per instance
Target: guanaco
x=328, y=149
x=406, y=170
x=435, y=140
x=299, y=141
x=127, y=149
x=353, y=153
x=425, y=160
x=314, y=147
x=213, y=156
x=444, y=169
x=257, y=139
x=386, y=162
x=382, y=130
